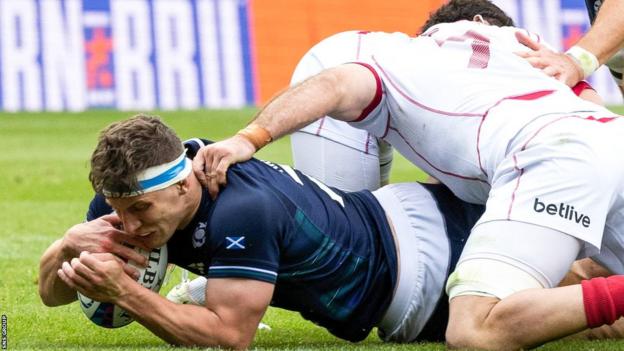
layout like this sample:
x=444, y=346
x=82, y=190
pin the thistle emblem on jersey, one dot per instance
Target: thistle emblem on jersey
x=199, y=237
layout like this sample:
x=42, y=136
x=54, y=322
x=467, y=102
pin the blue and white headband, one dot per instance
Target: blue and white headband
x=158, y=177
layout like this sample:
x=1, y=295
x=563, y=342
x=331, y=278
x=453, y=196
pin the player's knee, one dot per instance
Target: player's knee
x=464, y=328
x=458, y=338
x=475, y=323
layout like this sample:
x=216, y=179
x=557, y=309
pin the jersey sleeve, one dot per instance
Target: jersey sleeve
x=245, y=246
x=375, y=117
x=98, y=208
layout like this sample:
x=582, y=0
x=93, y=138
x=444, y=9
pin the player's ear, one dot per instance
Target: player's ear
x=183, y=186
x=480, y=19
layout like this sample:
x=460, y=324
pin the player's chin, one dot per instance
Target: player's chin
x=155, y=239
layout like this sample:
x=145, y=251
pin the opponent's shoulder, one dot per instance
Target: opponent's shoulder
x=352, y=45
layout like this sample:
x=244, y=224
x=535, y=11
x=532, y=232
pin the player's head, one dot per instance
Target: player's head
x=140, y=166
x=457, y=10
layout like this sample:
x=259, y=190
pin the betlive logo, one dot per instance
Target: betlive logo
x=563, y=210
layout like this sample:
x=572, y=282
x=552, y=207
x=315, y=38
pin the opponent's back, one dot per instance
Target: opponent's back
x=454, y=97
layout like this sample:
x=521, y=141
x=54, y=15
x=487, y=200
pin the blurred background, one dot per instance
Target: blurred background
x=58, y=55
x=209, y=64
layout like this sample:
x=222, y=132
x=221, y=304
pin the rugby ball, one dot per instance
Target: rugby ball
x=108, y=315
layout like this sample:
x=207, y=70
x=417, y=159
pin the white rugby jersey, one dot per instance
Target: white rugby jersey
x=436, y=105
x=335, y=50
x=458, y=103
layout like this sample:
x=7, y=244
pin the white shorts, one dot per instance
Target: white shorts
x=331, y=150
x=331, y=52
x=559, y=181
x=423, y=256
x=336, y=164
x=565, y=174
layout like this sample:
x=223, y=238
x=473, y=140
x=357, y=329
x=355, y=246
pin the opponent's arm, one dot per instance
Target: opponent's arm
x=341, y=92
x=99, y=235
x=592, y=96
x=606, y=36
x=600, y=43
x=586, y=269
x=234, y=307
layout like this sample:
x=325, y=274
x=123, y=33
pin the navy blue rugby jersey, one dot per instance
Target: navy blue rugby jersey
x=330, y=254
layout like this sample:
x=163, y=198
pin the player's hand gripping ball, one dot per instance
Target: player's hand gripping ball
x=108, y=315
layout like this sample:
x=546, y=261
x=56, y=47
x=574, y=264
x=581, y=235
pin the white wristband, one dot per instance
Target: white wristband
x=588, y=61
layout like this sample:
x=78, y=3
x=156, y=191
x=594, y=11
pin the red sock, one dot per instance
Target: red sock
x=603, y=299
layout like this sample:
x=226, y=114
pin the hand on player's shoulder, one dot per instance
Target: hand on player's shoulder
x=212, y=161
x=554, y=64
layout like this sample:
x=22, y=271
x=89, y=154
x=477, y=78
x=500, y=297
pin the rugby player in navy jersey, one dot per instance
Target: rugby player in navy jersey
x=346, y=261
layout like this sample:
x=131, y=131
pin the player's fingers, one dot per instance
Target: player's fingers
x=73, y=276
x=216, y=159
x=115, y=243
x=113, y=219
x=537, y=62
x=105, y=256
x=80, y=268
x=128, y=269
x=79, y=286
x=199, y=163
x=128, y=253
x=221, y=170
x=213, y=187
x=91, y=262
x=212, y=177
x=123, y=237
x=552, y=71
x=565, y=78
x=131, y=271
x=61, y=274
x=527, y=41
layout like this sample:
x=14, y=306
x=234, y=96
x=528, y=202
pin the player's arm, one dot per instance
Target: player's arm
x=52, y=290
x=600, y=43
x=234, y=306
x=342, y=92
x=606, y=36
x=586, y=92
x=586, y=269
x=99, y=235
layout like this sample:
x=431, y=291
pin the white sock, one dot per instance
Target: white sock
x=197, y=290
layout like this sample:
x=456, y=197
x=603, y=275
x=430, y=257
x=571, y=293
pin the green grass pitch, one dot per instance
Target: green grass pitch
x=44, y=190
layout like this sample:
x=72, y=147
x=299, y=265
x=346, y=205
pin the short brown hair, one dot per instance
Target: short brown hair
x=457, y=10
x=128, y=147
